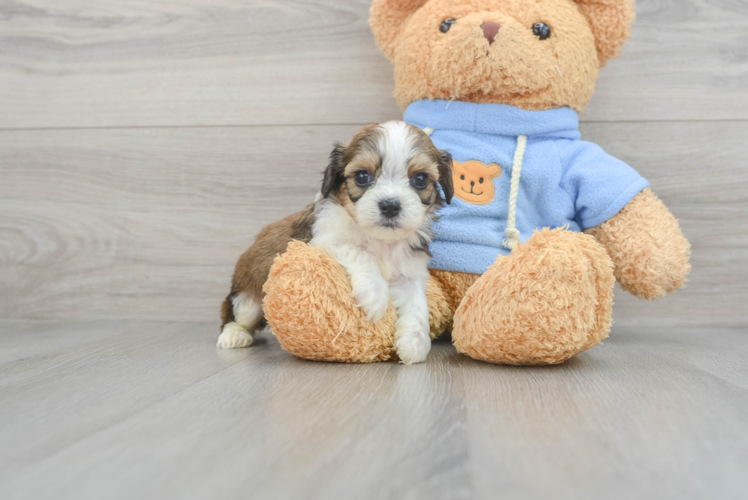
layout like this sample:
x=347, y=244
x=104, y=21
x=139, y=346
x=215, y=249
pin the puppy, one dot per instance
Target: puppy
x=373, y=215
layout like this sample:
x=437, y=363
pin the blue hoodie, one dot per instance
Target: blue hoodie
x=559, y=179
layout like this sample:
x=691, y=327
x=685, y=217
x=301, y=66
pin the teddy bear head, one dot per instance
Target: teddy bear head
x=533, y=54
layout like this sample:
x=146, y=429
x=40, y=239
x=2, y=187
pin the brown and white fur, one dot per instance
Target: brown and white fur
x=373, y=215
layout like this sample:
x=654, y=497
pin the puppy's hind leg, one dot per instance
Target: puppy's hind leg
x=242, y=316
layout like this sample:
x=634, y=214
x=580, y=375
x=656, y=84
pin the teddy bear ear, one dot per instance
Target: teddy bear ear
x=610, y=21
x=387, y=19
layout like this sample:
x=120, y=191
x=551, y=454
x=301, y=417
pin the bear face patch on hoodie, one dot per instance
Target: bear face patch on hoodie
x=516, y=171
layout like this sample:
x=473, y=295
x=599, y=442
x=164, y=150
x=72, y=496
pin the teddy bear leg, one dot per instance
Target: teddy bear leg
x=549, y=299
x=310, y=310
x=444, y=291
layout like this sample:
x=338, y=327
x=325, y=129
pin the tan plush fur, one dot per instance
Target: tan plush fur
x=309, y=308
x=650, y=253
x=552, y=296
x=452, y=287
x=521, y=70
x=548, y=300
x=308, y=305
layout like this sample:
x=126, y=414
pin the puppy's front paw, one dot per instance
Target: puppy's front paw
x=234, y=336
x=413, y=347
x=372, y=295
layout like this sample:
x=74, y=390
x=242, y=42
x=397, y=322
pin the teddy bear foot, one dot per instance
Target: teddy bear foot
x=309, y=307
x=549, y=299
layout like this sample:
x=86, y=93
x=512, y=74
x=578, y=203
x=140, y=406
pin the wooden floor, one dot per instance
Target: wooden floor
x=143, y=144
x=139, y=409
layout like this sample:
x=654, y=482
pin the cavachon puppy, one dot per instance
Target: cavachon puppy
x=373, y=215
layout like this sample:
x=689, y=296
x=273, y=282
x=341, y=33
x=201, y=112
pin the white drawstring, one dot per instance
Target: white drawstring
x=512, y=233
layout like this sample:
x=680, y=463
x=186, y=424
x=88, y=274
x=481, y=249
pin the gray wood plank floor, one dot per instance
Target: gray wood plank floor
x=98, y=410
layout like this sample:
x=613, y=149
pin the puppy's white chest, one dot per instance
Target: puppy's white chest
x=385, y=268
x=390, y=258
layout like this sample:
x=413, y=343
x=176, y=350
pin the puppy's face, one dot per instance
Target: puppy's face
x=386, y=179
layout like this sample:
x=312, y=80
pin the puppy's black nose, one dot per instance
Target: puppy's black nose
x=390, y=207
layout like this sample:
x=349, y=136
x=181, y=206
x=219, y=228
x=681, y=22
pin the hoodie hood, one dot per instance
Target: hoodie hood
x=493, y=119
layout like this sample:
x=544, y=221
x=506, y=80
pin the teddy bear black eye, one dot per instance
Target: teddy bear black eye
x=362, y=178
x=480, y=180
x=462, y=177
x=542, y=30
x=446, y=24
x=420, y=181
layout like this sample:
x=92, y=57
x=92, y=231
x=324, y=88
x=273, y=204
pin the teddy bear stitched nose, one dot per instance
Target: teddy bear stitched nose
x=490, y=30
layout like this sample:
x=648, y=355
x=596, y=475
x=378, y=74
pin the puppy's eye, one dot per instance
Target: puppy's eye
x=446, y=24
x=420, y=181
x=542, y=30
x=480, y=180
x=462, y=177
x=362, y=178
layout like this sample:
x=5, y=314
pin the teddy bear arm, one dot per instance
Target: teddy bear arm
x=648, y=249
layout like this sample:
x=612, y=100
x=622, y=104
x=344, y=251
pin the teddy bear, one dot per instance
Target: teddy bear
x=542, y=224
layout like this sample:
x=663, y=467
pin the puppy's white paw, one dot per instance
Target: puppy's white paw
x=372, y=295
x=413, y=347
x=234, y=336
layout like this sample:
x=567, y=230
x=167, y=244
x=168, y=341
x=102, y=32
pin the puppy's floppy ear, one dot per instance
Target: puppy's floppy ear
x=611, y=22
x=333, y=177
x=387, y=19
x=445, y=175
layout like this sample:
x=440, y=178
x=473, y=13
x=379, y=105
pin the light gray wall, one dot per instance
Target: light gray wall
x=143, y=145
